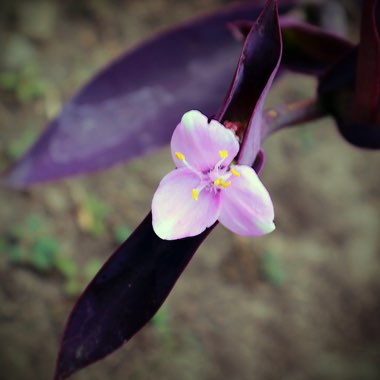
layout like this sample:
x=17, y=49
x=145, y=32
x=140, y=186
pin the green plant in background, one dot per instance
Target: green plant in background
x=121, y=232
x=163, y=331
x=17, y=147
x=92, y=214
x=31, y=244
x=160, y=322
x=25, y=83
x=271, y=268
x=75, y=279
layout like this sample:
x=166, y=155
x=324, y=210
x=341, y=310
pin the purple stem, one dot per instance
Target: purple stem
x=289, y=115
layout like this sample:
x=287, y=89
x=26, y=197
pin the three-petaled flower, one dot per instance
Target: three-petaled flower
x=207, y=187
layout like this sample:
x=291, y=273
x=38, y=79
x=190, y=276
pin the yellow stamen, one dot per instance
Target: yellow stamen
x=217, y=182
x=195, y=194
x=220, y=182
x=235, y=172
x=225, y=184
x=180, y=156
x=223, y=154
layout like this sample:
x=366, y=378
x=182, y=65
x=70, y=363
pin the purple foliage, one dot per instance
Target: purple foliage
x=350, y=89
x=123, y=296
x=132, y=285
x=132, y=106
x=180, y=69
x=306, y=48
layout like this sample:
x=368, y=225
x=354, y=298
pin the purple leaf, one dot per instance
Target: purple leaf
x=123, y=296
x=337, y=96
x=309, y=49
x=256, y=70
x=136, y=280
x=132, y=106
x=306, y=48
x=350, y=90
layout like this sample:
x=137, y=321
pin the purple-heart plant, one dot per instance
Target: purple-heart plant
x=217, y=151
x=135, y=281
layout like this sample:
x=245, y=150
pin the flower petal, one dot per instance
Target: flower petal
x=200, y=142
x=246, y=207
x=176, y=214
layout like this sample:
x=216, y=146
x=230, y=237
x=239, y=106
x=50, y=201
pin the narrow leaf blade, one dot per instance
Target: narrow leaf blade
x=123, y=296
x=136, y=280
x=307, y=49
x=256, y=70
x=131, y=107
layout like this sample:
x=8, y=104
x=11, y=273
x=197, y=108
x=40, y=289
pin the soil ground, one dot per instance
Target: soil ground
x=300, y=304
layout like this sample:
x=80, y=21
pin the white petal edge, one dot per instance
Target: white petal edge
x=175, y=213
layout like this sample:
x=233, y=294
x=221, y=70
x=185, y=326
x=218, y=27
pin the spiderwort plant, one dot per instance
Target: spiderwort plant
x=140, y=274
x=218, y=157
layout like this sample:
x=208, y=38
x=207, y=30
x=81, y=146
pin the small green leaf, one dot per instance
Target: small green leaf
x=43, y=253
x=66, y=266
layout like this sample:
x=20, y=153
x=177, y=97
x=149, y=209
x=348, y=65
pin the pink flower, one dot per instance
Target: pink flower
x=207, y=187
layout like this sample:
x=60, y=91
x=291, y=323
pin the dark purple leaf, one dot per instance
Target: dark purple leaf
x=306, y=48
x=123, y=296
x=337, y=96
x=257, y=67
x=136, y=280
x=357, y=114
x=131, y=107
x=309, y=49
x=360, y=134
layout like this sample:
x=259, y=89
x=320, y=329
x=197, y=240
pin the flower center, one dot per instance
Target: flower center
x=214, y=180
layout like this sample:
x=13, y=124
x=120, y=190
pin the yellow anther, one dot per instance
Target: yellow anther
x=235, y=172
x=223, y=154
x=180, y=156
x=220, y=182
x=225, y=184
x=195, y=194
x=217, y=182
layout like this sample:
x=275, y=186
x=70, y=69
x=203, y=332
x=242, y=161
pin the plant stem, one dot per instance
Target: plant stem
x=291, y=114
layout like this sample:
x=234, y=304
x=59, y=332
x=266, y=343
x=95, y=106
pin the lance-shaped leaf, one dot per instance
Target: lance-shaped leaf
x=256, y=70
x=131, y=107
x=355, y=105
x=307, y=49
x=136, y=280
x=123, y=296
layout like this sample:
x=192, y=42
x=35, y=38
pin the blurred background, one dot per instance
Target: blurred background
x=301, y=303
